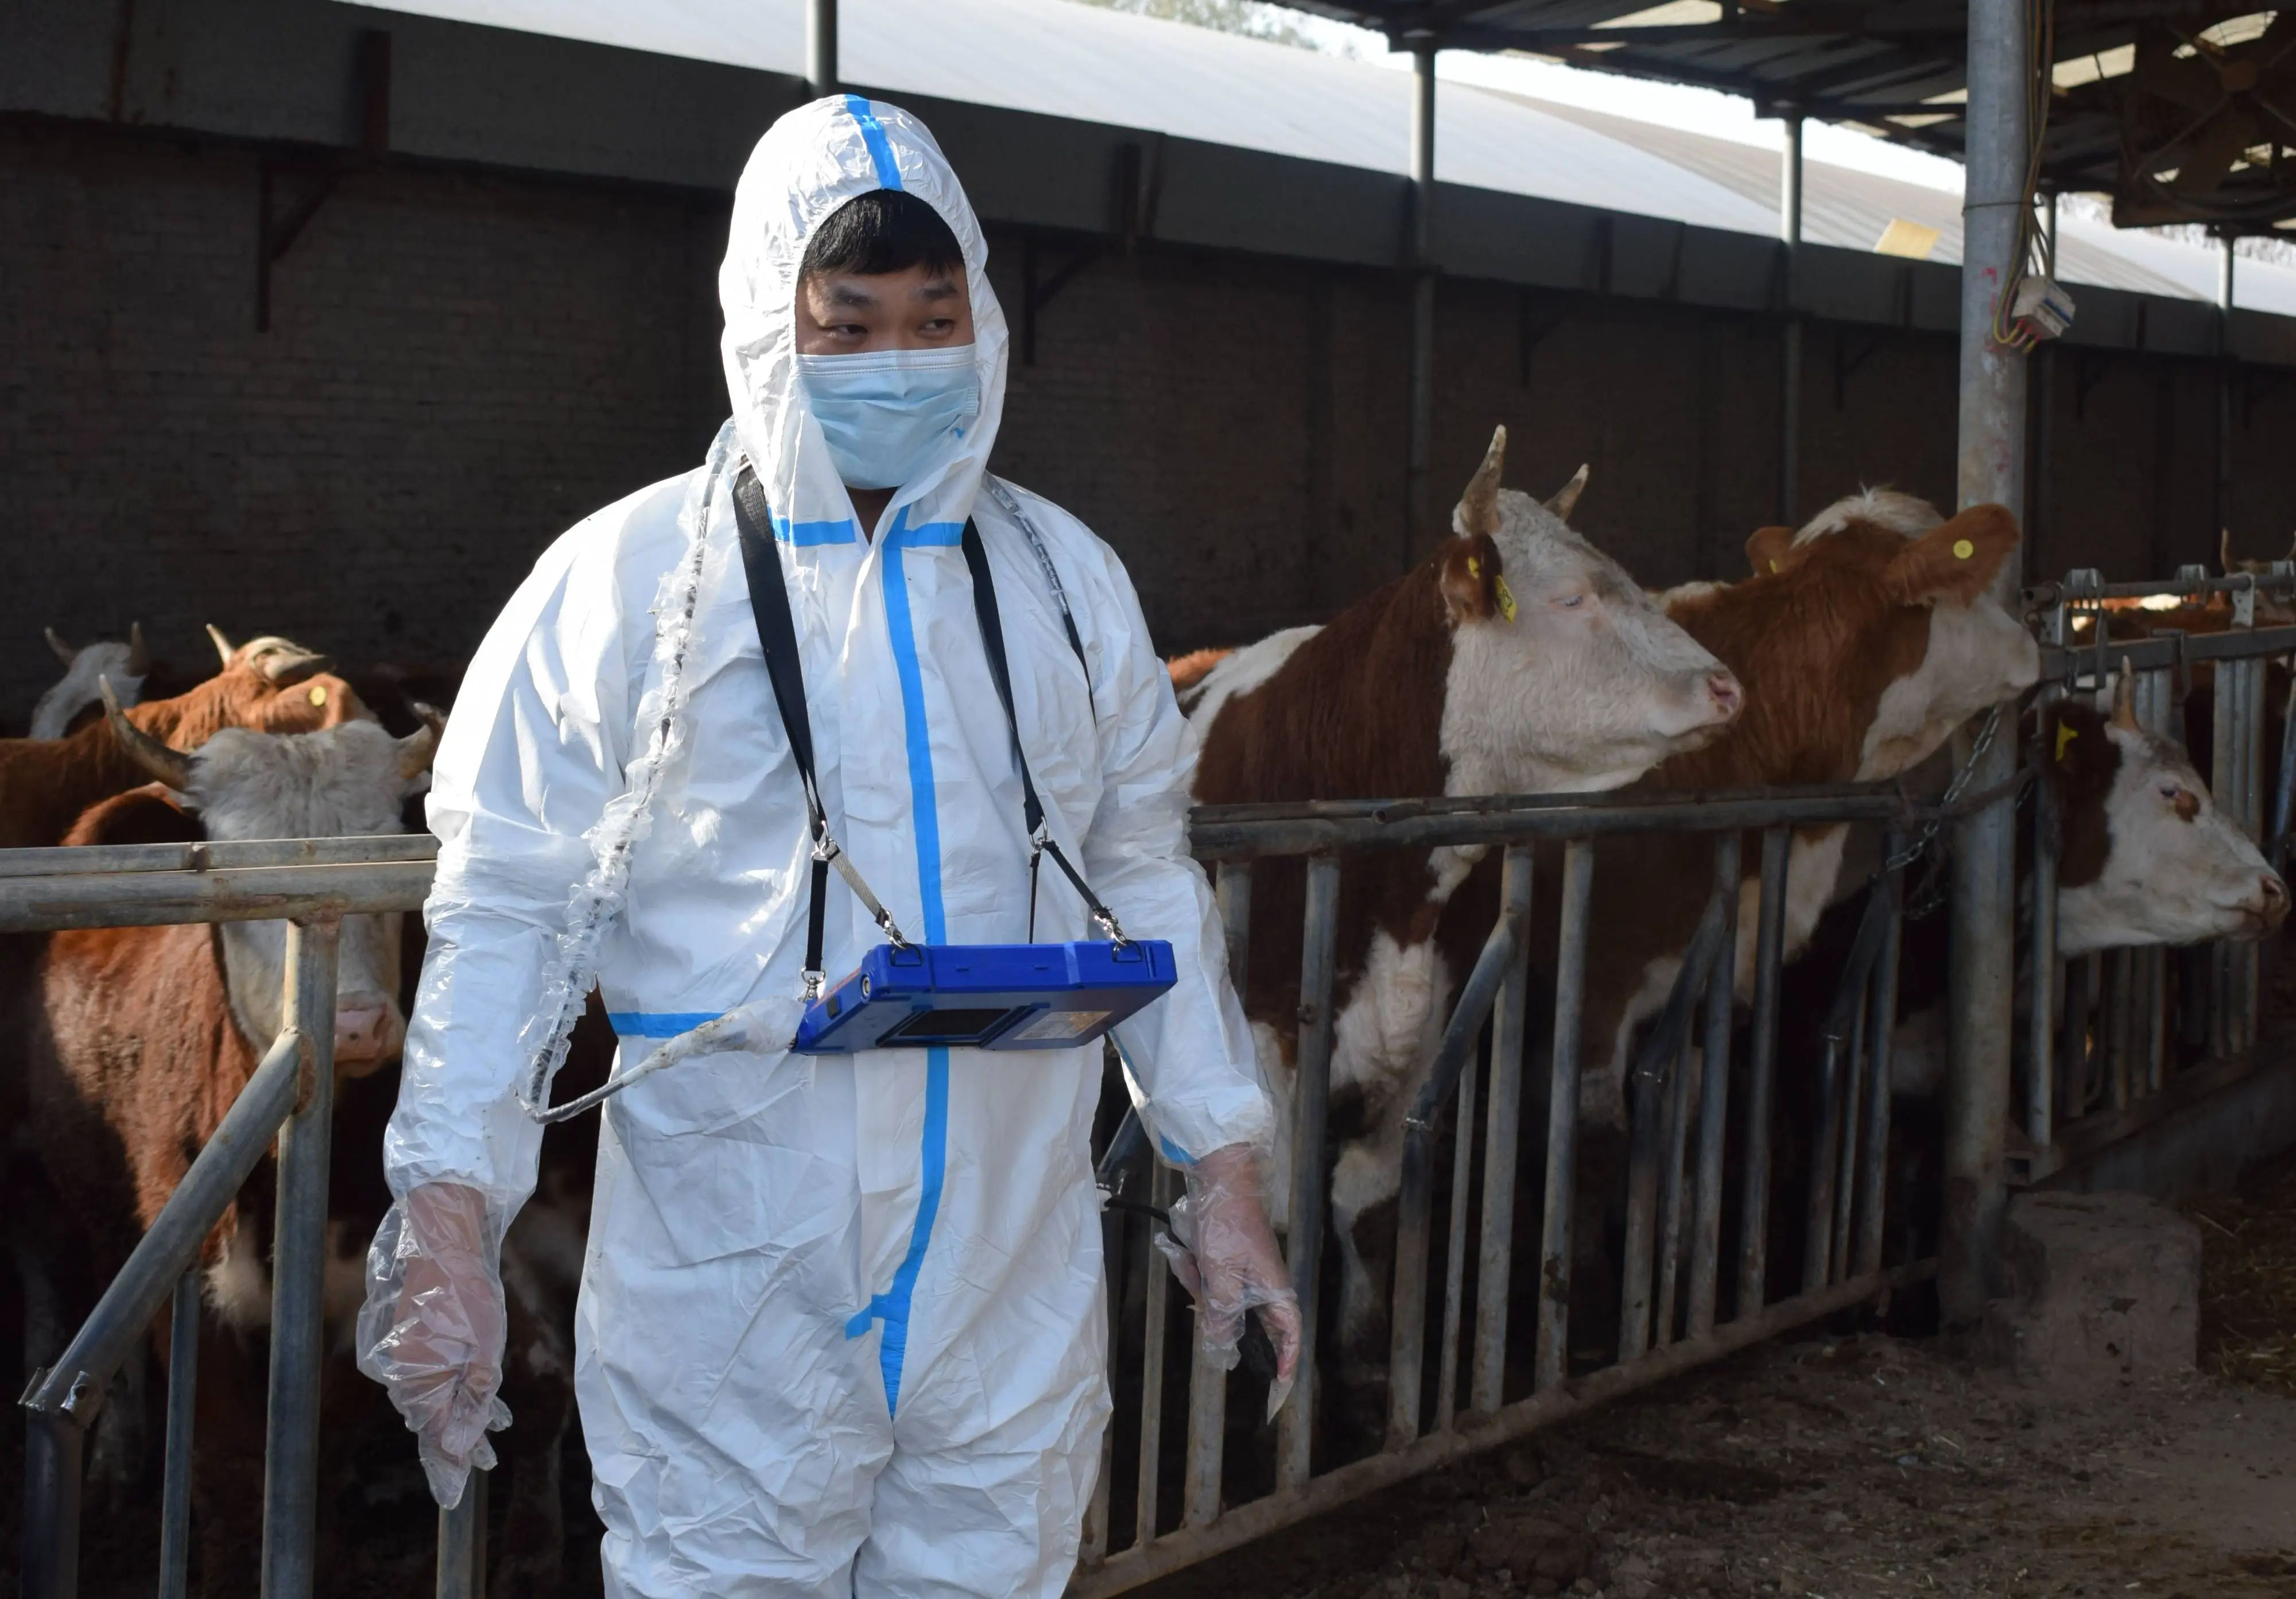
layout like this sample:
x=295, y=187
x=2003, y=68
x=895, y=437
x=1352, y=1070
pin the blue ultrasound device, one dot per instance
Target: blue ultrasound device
x=907, y=996
x=986, y=996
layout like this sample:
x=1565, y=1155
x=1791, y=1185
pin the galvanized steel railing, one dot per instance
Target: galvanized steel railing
x=1679, y=1149
x=311, y=884
x=2106, y=1049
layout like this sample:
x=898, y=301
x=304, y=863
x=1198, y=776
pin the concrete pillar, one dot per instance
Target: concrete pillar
x=1790, y=380
x=1982, y=972
x=1418, y=501
x=821, y=47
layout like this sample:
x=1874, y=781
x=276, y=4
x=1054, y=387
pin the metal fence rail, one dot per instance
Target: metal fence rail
x=1680, y=1145
x=312, y=884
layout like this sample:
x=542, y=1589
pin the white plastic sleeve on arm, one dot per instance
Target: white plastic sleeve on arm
x=1194, y=1073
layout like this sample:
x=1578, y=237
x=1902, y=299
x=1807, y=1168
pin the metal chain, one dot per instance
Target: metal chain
x=1953, y=790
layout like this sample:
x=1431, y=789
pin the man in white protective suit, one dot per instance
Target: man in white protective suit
x=841, y=1329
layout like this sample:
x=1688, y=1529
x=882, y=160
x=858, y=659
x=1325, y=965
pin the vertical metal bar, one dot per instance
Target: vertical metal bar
x=2225, y=783
x=1714, y=1098
x=1881, y=1029
x=1672, y=1189
x=1455, y=1259
x=1789, y=384
x=2283, y=786
x=176, y=1480
x=1770, y=949
x=53, y=1446
x=1554, y=1355
x=1295, y=1427
x=2040, y=1019
x=1846, y=1137
x=1826, y=1129
x=1207, y=1381
x=1094, y=1544
x=1502, y=1125
x=2121, y=996
x=2073, y=1040
x=1981, y=1006
x=291, y=1461
x=2152, y=1011
x=1419, y=509
x=462, y=1544
x=2253, y=695
x=1646, y=1096
x=821, y=47
x=2226, y=372
x=1163, y=1189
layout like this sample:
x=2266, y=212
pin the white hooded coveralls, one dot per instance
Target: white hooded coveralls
x=842, y=1327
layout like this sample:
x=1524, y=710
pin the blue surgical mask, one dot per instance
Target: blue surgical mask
x=884, y=412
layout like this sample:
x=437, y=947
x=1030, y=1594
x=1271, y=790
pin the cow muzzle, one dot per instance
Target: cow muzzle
x=368, y=1031
x=2268, y=907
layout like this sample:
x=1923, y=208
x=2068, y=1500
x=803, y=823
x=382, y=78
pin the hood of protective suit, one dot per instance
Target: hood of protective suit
x=809, y=163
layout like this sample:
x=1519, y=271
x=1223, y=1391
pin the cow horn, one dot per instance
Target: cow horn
x=1566, y=498
x=64, y=651
x=170, y=767
x=2224, y=550
x=1478, y=506
x=139, y=659
x=417, y=748
x=223, y=645
x=2124, y=698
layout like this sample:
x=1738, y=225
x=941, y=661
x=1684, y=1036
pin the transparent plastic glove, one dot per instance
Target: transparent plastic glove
x=1225, y=1254
x=432, y=1329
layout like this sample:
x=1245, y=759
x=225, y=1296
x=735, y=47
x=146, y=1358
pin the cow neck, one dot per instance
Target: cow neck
x=1355, y=713
x=2084, y=764
x=1814, y=647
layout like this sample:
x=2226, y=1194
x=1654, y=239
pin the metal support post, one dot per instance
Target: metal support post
x=182, y=1396
x=1295, y=1428
x=2226, y=380
x=821, y=47
x=1982, y=968
x=1419, y=507
x=1790, y=376
x=299, y=1256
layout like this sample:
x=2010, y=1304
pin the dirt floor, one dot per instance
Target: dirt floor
x=1848, y=1465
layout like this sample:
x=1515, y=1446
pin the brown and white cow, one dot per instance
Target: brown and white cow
x=1864, y=640
x=267, y=684
x=2143, y=858
x=1517, y=658
x=124, y=663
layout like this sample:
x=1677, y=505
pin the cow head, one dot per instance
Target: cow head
x=124, y=664
x=2147, y=857
x=344, y=782
x=1880, y=610
x=1565, y=676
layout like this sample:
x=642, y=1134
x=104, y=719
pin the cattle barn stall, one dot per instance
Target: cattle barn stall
x=1492, y=1305
x=2104, y=1094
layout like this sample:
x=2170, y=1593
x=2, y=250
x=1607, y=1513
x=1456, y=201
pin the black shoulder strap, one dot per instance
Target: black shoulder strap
x=1040, y=836
x=778, y=636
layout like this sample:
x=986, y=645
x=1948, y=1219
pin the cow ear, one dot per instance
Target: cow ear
x=1954, y=563
x=150, y=815
x=1470, y=579
x=1766, y=548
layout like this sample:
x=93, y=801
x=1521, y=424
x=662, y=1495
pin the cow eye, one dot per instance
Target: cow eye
x=2169, y=791
x=1570, y=601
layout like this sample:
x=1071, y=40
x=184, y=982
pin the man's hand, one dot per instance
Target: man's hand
x=432, y=1330
x=1225, y=1254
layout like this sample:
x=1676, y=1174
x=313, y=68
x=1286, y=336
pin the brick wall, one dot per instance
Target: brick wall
x=460, y=365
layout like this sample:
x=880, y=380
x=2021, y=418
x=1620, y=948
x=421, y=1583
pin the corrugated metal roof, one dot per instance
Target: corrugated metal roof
x=1098, y=65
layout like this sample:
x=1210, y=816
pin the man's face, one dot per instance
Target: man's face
x=846, y=313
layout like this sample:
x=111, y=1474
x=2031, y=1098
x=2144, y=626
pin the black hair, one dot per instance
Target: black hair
x=885, y=230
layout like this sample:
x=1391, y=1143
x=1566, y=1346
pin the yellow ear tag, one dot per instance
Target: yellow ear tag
x=318, y=694
x=1774, y=566
x=1963, y=549
x=2065, y=735
x=1506, y=598
x=1474, y=566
